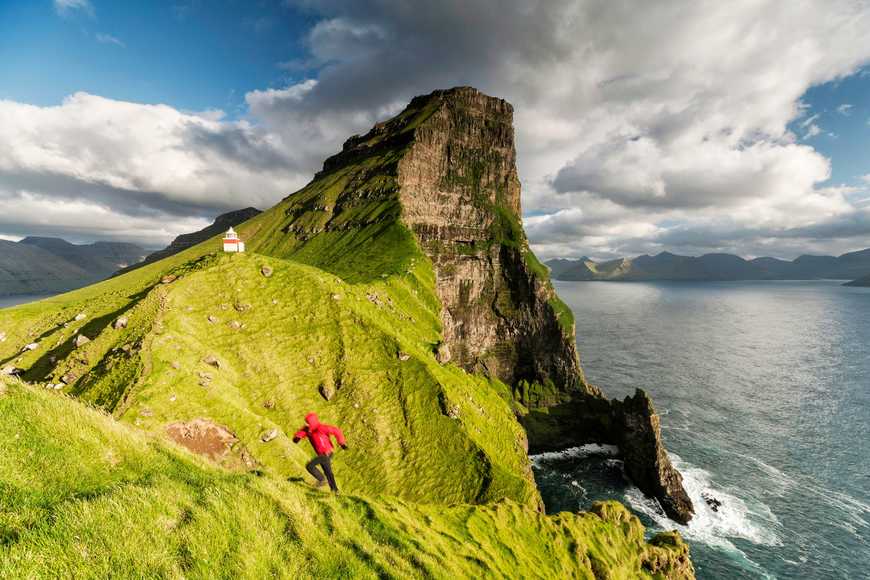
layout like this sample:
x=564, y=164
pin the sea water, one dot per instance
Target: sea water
x=764, y=393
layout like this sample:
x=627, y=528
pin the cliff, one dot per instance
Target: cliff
x=26, y=269
x=441, y=177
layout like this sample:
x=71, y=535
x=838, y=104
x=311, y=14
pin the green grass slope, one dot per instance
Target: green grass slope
x=84, y=496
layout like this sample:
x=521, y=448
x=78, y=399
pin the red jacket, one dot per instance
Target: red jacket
x=319, y=434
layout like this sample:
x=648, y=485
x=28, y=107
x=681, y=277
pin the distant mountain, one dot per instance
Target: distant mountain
x=100, y=259
x=713, y=267
x=184, y=241
x=865, y=281
x=29, y=269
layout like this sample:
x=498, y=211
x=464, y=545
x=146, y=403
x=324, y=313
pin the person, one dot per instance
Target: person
x=319, y=435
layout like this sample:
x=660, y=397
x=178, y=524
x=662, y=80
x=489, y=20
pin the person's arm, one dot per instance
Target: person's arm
x=301, y=434
x=339, y=436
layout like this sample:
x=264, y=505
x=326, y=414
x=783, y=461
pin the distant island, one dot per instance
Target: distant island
x=864, y=281
x=715, y=267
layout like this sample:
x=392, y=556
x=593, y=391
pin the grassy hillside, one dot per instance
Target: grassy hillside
x=85, y=496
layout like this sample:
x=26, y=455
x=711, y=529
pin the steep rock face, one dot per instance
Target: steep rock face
x=460, y=195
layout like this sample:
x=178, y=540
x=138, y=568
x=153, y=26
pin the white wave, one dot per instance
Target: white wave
x=573, y=453
x=734, y=518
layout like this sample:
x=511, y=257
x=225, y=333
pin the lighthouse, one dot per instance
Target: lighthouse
x=232, y=243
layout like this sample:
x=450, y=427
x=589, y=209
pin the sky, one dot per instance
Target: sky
x=690, y=127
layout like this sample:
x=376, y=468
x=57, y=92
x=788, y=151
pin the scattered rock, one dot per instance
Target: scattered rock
x=713, y=502
x=168, y=279
x=266, y=271
x=81, y=340
x=235, y=324
x=204, y=376
x=374, y=299
x=269, y=404
x=242, y=306
x=453, y=411
x=80, y=316
x=212, y=360
x=176, y=365
x=212, y=319
x=403, y=356
x=442, y=354
x=269, y=435
x=58, y=386
x=120, y=322
x=11, y=371
x=68, y=378
x=327, y=389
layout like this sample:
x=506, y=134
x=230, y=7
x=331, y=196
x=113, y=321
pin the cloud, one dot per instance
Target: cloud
x=845, y=109
x=135, y=165
x=69, y=7
x=638, y=124
x=103, y=38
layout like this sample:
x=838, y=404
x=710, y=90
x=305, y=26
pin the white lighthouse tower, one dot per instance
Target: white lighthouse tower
x=232, y=243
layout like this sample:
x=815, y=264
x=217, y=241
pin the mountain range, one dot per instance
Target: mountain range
x=39, y=265
x=713, y=267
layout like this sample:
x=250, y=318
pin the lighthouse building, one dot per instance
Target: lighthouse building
x=232, y=243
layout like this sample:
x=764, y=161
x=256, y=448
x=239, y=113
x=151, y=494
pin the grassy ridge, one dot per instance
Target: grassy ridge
x=85, y=496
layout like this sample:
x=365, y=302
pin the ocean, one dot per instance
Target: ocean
x=764, y=393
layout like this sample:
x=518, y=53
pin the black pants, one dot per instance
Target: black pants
x=325, y=462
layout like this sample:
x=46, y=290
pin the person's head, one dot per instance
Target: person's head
x=311, y=420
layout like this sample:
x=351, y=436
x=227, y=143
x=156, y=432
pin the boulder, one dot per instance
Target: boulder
x=266, y=271
x=11, y=371
x=269, y=435
x=168, y=279
x=212, y=361
x=2, y=337
x=242, y=306
x=235, y=324
x=80, y=316
x=81, y=340
x=212, y=319
x=403, y=356
x=327, y=389
x=31, y=346
x=269, y=404
x=68, y=378
x=120, y=322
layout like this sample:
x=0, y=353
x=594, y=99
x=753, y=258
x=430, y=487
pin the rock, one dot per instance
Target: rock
x=235, y=324
x=31, y=346
x=453, y=411
x=2, y=337
x=212, y=360
x=266, y=271
x=127, y=347
x=336, y=296
x=442, y=353
x=327, y=390
x=168, y=279
x=212, y=319
x=213, y=441
x=11, y=371
x=146, y=412
x=204, y=376
x=645, y=460
x=403, y=356
x=242, y=306
x=175, y=364
x=711, y=501
x=172, y=398
x=269, y=404
x=274, y=301
x=81, y=340
x=120, y=322
x=269, y=435
x=80, y=316
x=58, y=386
x=68, y=378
